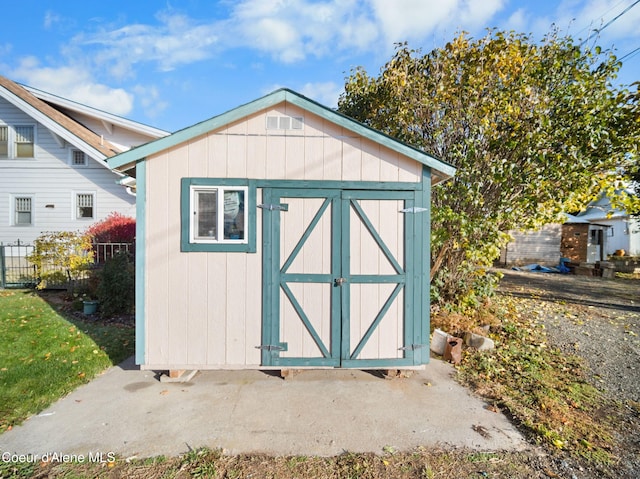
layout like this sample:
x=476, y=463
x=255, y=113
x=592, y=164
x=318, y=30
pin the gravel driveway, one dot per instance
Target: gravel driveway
x=598, y=320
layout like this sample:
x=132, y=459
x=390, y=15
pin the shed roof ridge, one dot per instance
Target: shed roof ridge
x=280, y=95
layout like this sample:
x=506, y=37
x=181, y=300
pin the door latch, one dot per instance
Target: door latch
x=340, y=281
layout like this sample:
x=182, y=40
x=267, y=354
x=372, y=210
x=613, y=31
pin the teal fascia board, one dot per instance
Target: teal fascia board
x=141, y=152
x=140, y=325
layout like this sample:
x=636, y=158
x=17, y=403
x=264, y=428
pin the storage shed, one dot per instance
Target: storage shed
x=282, y=234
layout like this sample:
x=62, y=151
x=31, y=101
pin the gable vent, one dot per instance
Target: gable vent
x=285, y=122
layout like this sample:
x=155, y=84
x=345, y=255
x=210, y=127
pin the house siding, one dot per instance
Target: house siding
x=541, y=247
x=203, y=310
x=51, y=180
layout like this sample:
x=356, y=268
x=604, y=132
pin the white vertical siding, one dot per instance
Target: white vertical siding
x=204, y=310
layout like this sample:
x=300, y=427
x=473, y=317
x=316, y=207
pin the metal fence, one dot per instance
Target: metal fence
x=16, y=271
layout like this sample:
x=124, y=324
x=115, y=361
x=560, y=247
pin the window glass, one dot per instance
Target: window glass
x=234, y=225
x=4, y=142
x=24, y=141
x=218, y=214
x=206, y=214
x=23, y=211
x=78, y=158
x=84, y=205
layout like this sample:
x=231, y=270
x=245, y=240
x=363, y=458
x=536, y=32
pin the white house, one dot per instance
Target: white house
x=622, y=230
x=53, y=173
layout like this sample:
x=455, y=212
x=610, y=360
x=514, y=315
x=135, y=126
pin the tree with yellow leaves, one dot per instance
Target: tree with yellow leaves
x=534, y=128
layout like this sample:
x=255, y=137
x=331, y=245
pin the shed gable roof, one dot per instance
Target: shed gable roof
x=60, y=124
x=125, y=161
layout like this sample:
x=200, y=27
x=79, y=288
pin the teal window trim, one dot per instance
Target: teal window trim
x=186, y=243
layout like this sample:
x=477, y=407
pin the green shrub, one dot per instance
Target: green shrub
x=116, y=289
x=61, y=257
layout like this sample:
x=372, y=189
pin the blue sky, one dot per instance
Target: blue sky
x=171, y=64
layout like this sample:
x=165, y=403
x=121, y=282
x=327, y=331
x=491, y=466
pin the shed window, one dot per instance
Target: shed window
x=218, y=214
x=218, y=217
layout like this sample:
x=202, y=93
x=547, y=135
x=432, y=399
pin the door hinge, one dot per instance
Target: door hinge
x=271, y=207
x=413, y=347
x=273, y=347
x=414, y=209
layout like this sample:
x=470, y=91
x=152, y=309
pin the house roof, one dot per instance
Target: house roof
x=60, y=124
x=107, y=118
x=601, y=208
x=125, y=161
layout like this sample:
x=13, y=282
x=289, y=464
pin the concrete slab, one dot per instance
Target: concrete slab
x=322, y=412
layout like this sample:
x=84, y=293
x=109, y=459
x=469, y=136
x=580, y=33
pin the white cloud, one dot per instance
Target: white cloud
x=595, y=14
x=5, y=49
x=50, y=19
x=175, y=41
x=580, y=18
x=326, y=93
x=517, y=21
x=151, y=100
x=292, y=30
x=289, y=31
x=74, y=83
x=412, y=20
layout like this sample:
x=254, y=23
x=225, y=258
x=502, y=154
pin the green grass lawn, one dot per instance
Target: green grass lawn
x=44, y=356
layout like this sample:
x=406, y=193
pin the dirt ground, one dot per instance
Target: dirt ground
x=599, y=320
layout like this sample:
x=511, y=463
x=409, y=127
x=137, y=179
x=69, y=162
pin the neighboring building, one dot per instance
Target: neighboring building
x=590, y=236
x=282, y=234
x=583, y=242
x=620, y=231
x=533, y=247
x=53, y=174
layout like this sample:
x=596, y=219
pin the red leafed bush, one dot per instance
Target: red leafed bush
x=115, y=228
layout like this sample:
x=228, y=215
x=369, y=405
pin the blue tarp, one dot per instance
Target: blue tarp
x=536, y=268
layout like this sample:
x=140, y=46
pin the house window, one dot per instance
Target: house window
x=4, y=142
x=17, y=141
x=218, y=215
x=22, y=211
x=78, y=158
x=85, y=205
x=24, y=141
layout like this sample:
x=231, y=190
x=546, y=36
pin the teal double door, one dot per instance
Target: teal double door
x=340, y=279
